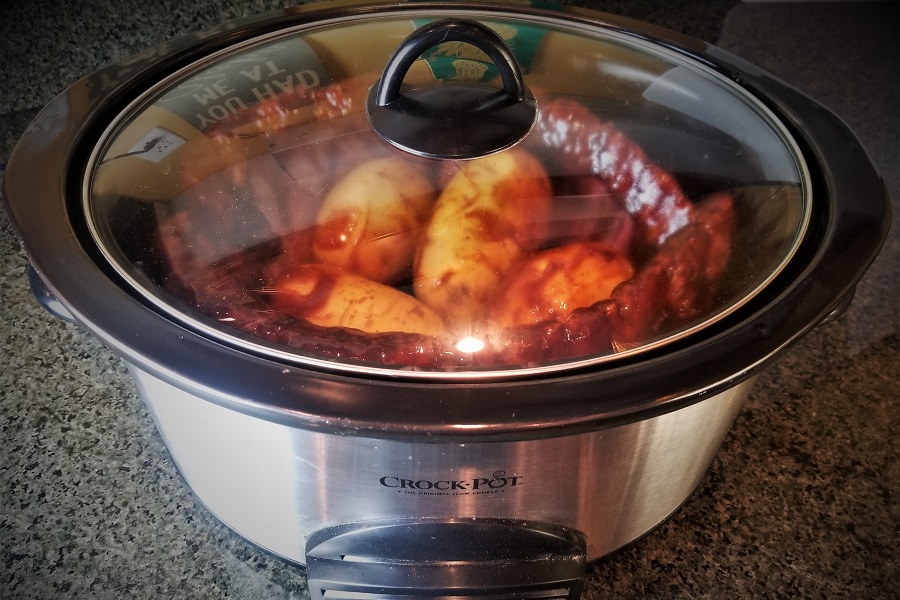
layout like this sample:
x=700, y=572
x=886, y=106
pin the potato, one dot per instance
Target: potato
x=549, y=285
x=371, y=221
x=493, y=211
x=330, y=297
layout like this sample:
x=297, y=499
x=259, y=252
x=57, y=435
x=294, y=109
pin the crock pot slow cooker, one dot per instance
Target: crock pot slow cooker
x=443, y=299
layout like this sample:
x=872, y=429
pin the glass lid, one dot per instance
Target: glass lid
x=404, y=194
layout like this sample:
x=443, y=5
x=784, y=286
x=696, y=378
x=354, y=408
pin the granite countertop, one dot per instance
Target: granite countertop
x=802, y=501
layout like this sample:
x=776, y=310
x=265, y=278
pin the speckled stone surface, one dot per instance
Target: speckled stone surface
x=801, y=501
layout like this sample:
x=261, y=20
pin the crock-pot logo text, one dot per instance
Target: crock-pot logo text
x=498, y=482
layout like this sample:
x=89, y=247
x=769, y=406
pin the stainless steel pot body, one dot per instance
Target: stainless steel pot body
x=276, y=484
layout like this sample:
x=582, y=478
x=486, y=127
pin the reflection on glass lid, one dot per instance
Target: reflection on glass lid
x=249, y=197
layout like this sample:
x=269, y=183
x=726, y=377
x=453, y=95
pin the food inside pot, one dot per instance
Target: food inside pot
x=573, y=244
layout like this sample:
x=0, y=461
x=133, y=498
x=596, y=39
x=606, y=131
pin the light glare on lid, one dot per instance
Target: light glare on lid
x=470, y=344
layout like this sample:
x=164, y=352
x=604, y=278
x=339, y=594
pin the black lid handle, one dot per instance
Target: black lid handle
x=450, y=30
x=455, y=119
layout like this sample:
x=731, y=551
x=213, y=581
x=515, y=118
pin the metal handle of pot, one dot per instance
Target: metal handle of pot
x=456, y=558
x=840, y=308
x=457, y=119
x=46, y=298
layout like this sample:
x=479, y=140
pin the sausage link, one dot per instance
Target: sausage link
x=577, y=142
